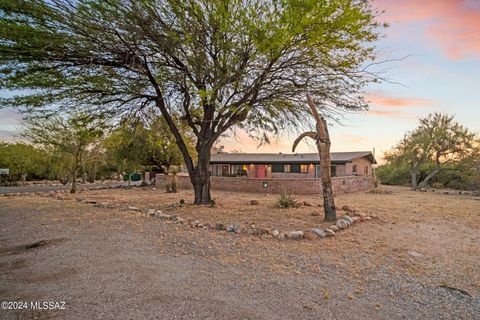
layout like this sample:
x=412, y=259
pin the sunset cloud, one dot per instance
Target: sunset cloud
x=389, y=114
x=382, y=100
x=451, y=25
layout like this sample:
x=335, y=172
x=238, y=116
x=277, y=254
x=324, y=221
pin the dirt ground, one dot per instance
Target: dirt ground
x=418, y=259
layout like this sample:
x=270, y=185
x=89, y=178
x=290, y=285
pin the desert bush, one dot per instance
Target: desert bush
x=437, y=185
x=393, y=175
x=286, y=200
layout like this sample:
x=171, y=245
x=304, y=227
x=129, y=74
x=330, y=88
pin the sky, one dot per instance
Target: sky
x=437, y=45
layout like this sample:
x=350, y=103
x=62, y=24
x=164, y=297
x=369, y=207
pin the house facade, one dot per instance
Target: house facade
x=290, y=166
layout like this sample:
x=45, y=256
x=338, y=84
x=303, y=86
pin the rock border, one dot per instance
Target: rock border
x=349, y=219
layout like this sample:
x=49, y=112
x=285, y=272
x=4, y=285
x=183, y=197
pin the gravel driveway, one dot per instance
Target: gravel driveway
x=108, y=264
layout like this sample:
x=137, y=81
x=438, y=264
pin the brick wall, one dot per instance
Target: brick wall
x=295, y=186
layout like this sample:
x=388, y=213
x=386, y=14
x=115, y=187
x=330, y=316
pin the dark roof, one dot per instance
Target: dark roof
x=336, y=157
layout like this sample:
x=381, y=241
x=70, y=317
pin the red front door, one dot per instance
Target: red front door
x=259, y=171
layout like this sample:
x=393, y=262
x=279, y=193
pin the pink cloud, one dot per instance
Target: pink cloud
x=452, y=25
x=381, y=100
x=389, y=114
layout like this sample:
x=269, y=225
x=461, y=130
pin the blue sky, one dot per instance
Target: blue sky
x=441, y=72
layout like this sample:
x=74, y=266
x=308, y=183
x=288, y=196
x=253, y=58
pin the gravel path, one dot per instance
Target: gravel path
x=108, y=264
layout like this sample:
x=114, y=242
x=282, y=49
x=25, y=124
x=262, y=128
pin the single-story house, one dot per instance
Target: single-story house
x=298, y=165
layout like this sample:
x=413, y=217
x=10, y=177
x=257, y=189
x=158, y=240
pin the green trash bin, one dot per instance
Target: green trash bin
x=136, y=176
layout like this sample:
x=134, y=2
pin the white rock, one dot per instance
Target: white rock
x=333, y=227
x=319, y=232
x=415, y=254
x=240, y=229
x=342, y=224
x=329, y=233
x=134, y=209
x=348, y=218
x=275, y=233
x=294, y=235
x=151, y=212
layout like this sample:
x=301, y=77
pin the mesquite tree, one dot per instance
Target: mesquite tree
x=214, y=64
x=66, y=137
x=438, y=143
x=322, y=141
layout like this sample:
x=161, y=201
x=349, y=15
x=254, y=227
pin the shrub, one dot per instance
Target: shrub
x=286, y=200
x=437, y=185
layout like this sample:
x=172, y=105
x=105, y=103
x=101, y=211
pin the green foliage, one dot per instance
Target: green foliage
x=213, y=65
x=393, y=174
x=286, y=200
x=24, y=159
x=437, y=145
x=66, y=139
x=136, y=143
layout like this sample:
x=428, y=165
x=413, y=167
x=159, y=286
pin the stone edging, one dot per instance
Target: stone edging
x=314, y=233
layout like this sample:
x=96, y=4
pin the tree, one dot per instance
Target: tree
x=23, y=160
x=148, y=142
x=214, y=64
x=69, y=138
x=322, y=141
x=439, y=143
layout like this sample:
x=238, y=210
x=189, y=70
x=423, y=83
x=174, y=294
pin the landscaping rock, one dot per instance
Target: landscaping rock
x=197, y=223
x=319, y=232
x=131, y=208
x=310, y=235
x=348, y=209
x=219, y=226
x=354, y=219
x=281, y=237
x=295, y=235
x=240, y=229
x=259, y=231
x=254, y=202
x=275, y=233
x=329, y=233
x=207, y=226
x=179, y=220
x=307, y=204
x=151, y=212
x=333, y=227
x=89, y=201
x=342, y=224
x=163, y=216
x=348, y=218
x=229, y=229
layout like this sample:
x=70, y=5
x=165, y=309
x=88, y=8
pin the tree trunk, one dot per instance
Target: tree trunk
x=423, y=184
x=201, y=178
x=413, y=174
x=326, y=176
x=74, y=181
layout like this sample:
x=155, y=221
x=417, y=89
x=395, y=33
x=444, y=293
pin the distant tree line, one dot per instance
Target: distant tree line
x=439, y=153
x=84, y=147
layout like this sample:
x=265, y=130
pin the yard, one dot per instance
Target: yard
x=416, y=258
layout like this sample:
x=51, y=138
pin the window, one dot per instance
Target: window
x=304, y=168
x=278, y=167
x=287, y=168
x=295, y=168
x=366, y=170
x=354, y=169
x=236, y=169
x=333, y=171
